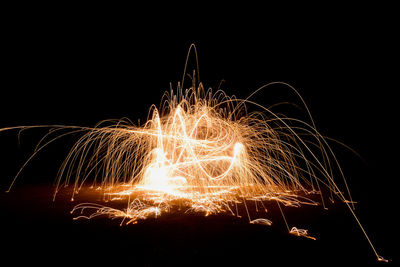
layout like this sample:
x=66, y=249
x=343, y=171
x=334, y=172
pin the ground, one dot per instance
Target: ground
x=38, y=230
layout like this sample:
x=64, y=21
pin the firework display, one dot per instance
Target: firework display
x=204, y=152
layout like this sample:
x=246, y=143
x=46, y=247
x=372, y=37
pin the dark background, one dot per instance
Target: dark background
x=81, y=66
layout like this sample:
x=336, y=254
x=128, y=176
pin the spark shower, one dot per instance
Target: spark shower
x=204, y=152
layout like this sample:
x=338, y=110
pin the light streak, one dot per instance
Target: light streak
x=203, y=151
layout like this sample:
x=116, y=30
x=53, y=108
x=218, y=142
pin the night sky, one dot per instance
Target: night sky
x=78, y=68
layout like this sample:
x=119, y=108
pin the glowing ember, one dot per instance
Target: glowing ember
x=202, y=151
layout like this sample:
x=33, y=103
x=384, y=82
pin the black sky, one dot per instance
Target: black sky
x=81, y=67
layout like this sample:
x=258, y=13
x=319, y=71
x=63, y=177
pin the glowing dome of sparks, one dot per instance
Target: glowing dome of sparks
x=202, y=149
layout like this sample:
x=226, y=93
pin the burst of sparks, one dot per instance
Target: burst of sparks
x=203, y=151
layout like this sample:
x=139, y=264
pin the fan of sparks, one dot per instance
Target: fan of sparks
x=201, y=150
